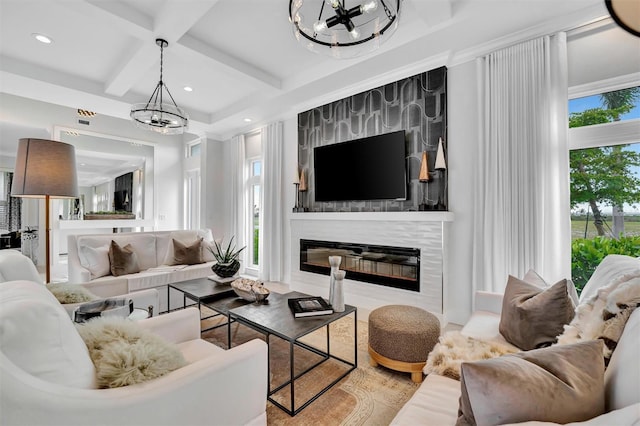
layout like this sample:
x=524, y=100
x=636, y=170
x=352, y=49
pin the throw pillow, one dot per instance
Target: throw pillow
x=124, y=353
x=96, y=260
x=71, y=293
x=123, y=259
x=187, y=254
x=532, y=277
x=559, y=384
x=532, y=317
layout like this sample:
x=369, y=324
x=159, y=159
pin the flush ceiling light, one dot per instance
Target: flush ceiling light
x=342, y=28
x=42, y=38
x=247, y=120
x=155, y=115
x=188, y=89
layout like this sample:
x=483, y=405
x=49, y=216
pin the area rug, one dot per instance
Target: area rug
x=367, y=396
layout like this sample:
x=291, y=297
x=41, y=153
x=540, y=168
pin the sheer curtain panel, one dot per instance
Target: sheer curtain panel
x=522, y=218
x=272, y=226
x=238, y=196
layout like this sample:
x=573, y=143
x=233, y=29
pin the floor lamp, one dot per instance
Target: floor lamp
x=45, y=169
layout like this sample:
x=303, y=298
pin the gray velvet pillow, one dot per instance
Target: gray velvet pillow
x=533, y=317
x=123, y=260
x=560, y=384
x=187, y=255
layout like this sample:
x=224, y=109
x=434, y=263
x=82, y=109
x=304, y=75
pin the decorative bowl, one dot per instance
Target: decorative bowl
x=250, y=290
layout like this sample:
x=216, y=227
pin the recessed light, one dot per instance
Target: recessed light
x=188, y=89
x=247, y=120
x=42, y=38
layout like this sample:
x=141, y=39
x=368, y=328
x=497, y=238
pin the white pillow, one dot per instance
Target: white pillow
x=96, y=260
x=37, y=335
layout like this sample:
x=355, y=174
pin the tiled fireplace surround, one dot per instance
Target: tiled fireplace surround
x=423, y=230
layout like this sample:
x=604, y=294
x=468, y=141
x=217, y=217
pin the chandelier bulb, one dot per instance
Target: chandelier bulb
x=333, y=3
x=369, y=6
x=319, y=26
x=354, y=33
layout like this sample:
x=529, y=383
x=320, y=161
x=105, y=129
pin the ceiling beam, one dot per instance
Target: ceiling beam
x=170, y=23
x=230, y=62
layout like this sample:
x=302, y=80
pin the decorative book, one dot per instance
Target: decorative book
x=309, y=306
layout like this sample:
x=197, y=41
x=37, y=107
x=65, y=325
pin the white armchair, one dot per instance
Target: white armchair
x=15, y=266
x=47, y=375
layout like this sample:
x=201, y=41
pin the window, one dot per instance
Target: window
x=255, y=201
x=193, y=149
x=605, y=178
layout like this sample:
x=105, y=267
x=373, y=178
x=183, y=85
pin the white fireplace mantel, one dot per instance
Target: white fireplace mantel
x=377, y=216
x=423, y=230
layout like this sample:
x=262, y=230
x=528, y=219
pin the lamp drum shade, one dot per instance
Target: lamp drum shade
x=45, y=167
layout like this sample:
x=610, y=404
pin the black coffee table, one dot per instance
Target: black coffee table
x=274, y=318
x=218, y=297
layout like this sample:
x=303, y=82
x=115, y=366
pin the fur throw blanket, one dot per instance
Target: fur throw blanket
x=454, y=348
x=602, y=316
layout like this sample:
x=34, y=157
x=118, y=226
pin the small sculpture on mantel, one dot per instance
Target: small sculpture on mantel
x=440, y=167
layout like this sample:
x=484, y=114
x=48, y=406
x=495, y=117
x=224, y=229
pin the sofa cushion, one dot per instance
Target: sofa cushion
x=434, y=403
x=531, y=317
x=612, y=267
x=184, y=254
x=558, y=384
x=96, y=260
x=125, y=354
x=37, y=335
x=124, y=260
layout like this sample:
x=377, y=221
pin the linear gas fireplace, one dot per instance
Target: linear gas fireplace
x=397, y=267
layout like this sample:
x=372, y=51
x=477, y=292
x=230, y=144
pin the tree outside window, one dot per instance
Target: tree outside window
x=605, y=185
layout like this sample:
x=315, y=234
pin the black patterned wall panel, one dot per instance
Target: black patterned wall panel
x=417, y=105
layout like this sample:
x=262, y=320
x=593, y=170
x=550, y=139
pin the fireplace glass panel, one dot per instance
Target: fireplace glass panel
x=397, y=267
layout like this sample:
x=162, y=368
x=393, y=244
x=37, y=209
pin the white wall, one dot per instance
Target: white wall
x=214, y=184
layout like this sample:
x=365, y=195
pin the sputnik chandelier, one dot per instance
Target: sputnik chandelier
x=343, y=28
x=165, y=118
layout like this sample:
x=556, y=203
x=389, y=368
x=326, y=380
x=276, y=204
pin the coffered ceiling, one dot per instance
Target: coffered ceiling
x=239, y=56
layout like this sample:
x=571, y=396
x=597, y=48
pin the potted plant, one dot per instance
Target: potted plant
x=227, y=263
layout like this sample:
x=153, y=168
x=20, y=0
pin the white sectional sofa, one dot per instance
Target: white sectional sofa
x=88, y=258
x=436, y=401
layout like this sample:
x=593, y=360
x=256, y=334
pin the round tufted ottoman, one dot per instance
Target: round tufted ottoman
x=401, y=337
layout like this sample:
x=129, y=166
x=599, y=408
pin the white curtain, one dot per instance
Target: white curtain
x=522, y=217
x=238, y=193
x=271, y=212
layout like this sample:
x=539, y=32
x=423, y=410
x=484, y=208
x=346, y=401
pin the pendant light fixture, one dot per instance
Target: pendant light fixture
x=343, y=28
x=155, y=114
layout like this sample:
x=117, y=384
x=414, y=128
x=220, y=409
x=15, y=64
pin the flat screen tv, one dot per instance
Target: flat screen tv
x=371, y=168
